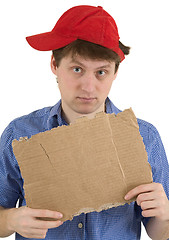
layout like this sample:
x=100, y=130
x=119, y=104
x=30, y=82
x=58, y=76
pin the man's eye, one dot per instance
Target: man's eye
x=77, y=70
x=101, y=73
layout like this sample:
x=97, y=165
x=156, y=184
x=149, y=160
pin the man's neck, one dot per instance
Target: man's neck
x=71, y=116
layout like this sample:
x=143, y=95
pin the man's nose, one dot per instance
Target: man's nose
x=88, y=83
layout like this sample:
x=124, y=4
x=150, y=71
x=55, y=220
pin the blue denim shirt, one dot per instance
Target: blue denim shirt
x=123, y=222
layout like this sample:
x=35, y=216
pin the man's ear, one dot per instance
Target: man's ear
x=53, y=65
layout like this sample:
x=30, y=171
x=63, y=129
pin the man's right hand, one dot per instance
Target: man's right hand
x=24, y=221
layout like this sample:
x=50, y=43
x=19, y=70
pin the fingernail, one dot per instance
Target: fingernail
x=126, y=197
x=60, y=215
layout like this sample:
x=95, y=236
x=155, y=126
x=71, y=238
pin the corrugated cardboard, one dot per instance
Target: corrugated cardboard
x=87, y=166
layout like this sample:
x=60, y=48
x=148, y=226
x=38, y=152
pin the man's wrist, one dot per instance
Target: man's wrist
x=9, y=217
x=5, y=215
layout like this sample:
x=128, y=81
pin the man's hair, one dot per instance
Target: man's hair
x=90, y=50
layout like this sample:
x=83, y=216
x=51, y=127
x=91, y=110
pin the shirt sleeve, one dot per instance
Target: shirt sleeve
x=10, y=178
x=158, y=161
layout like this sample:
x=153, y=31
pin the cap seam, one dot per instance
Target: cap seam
x=103, y=30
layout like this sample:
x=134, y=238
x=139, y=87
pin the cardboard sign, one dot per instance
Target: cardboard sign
x=87, y=166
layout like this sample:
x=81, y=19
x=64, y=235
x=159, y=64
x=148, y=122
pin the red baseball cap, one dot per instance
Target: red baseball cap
x=89, y=23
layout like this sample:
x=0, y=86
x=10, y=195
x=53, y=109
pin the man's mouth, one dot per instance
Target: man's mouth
x=86, y=99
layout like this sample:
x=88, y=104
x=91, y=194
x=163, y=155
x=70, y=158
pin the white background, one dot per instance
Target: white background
x=26, y=81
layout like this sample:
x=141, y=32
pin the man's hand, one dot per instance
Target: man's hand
x=152, y=200
x=24, y=221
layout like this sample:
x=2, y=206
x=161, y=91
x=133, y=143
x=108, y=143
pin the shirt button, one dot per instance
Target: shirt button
x=80, y=225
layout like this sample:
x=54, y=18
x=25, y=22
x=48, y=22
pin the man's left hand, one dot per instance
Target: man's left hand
x=152, y=200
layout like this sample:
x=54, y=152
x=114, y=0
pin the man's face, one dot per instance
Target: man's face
x=84, y=83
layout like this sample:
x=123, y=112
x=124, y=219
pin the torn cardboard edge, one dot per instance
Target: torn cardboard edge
x=105, y=155
x=88, y=210
x=122, y=115
x=101, y=208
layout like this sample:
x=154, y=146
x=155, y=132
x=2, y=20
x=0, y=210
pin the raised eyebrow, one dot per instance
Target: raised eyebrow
x=100, y=67
x=77, y=62
x=104, y=66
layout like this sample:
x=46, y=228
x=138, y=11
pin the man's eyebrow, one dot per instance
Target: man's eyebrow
x=77, y=62
x=81, y=64
x=104, y=66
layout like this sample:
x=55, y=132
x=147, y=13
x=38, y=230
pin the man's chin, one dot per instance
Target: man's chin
x=85, y=109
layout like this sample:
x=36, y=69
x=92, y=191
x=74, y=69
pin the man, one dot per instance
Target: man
x=85, y=59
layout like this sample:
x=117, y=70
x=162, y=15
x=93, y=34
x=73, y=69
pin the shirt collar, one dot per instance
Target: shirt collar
x=55, y=117
x=110, y=107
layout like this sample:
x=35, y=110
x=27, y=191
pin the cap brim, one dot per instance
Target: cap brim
x=48, y=41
